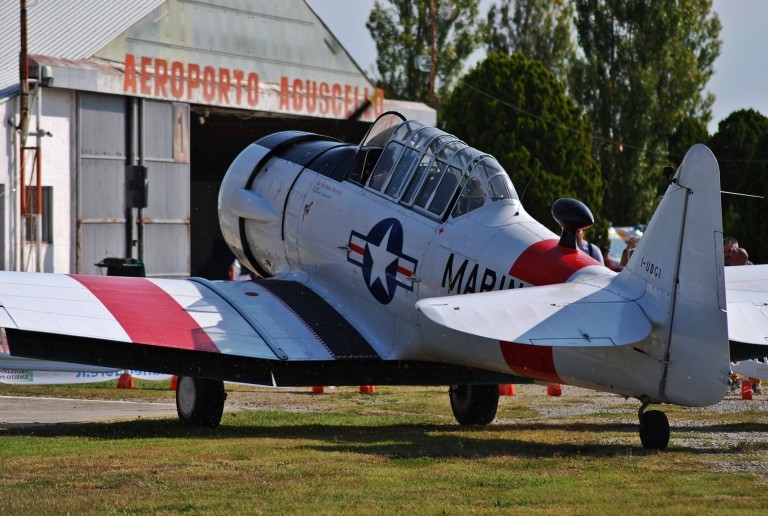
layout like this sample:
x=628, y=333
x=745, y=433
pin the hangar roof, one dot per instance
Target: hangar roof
x=71, y=30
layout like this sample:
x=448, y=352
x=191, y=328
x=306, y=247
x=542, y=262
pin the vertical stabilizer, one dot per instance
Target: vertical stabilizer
x=678, y=265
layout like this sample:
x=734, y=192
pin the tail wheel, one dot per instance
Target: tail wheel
x=474, y=404
x=200, y=402
x=654, y=430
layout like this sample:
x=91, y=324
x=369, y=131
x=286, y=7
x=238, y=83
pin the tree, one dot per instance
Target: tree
x=741, y=148
x=516, y=110
x=689, y=132
x=538, y=29
x=643, y=69
x=403, y=36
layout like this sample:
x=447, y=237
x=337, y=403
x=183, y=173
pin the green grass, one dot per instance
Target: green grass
x=396, y=451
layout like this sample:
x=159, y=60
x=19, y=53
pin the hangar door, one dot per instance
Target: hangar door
x=109, y=140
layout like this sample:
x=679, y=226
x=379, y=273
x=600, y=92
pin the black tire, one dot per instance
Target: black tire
x=474, y=404
x=200, y=402
x=654, y=430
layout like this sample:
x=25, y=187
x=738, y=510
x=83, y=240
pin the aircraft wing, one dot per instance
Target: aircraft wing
x=234, y=330
x=566, y=314
x=747, y=299
x=265, y=332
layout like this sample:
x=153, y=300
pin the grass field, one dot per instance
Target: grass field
x=399, y=450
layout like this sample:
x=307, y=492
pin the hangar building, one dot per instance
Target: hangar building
x=162, y=93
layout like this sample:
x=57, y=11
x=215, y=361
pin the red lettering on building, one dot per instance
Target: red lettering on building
x=177, y=79
x=161, y=77
x=224, y=85
x=311, y=89
x=129, y=79
x=285, y=95
x=324, y=99
x=348, y=100
x=146, y=63
x=208, y=84
x=193, y=79
x=298, y=95
x=336, y=102
x=253, y=89
x=239, y=75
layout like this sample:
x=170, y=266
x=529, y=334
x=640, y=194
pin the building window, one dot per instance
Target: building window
x=45, y=218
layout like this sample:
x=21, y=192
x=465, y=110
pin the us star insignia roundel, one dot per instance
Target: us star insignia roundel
x=380, y=255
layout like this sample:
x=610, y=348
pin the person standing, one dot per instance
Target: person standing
x=730, y=249
x=588, y=247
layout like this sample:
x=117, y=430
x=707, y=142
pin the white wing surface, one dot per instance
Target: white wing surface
x=747, y=299
x=568, y=314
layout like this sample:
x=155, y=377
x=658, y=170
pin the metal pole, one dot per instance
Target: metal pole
x=140, y=228
x=23, y=128
x=433, y=55
x=129, y=157
x=39, y=179
x=24, y=77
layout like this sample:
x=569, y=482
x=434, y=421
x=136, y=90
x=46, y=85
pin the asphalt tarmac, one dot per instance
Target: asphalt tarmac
x=21, y=411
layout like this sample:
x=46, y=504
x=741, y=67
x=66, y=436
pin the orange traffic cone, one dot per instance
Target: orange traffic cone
x=125, y=381
x=746, y=390
x=318, y=389
x=555, y=390
x=506, y=389
x=174, y=382
x=367, y=389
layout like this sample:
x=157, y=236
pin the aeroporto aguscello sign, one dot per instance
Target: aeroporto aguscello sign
x=154, y=77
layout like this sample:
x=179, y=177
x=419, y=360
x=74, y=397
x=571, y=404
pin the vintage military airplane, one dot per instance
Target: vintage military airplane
x=401, y=261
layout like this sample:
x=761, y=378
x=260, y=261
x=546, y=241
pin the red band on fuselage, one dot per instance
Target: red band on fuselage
x=147, y=313
x=546, y=263
x=531, y=361
x=543, y=263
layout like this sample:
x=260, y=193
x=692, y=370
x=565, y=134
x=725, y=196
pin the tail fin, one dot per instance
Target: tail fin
x=678, y=265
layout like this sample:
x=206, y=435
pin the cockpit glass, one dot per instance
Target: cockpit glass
x=404, y=166
x=445, y=190
x=404, y=131
x=499, y=185
x=421, y=137
x=428, y=170
x=472, y=197
x=379, y=133
x=386, y=162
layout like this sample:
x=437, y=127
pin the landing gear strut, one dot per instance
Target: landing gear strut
x=474, y=404
x=654, y=428
x=200, y=402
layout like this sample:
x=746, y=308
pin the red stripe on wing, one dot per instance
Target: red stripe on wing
x=531, y=361
x=147, y=313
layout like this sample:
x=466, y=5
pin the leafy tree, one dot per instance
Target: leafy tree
x=538, y=29
x=741, y=147
x=516, y=110
x=403, y=36
x=643, y=69
x=689, y=132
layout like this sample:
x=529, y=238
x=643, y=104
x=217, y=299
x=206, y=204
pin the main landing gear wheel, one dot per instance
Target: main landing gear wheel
x=200, y=402
x=474, y=404
x=654, y=429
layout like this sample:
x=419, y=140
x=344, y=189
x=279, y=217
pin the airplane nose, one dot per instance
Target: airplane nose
x=251, y=201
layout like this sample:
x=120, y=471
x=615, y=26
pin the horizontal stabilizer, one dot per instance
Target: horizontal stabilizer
x=747, y=301
x=569, y=314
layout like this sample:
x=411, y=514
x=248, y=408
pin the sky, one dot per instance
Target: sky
x=741, y=72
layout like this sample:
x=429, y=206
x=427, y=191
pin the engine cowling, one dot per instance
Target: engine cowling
x=254, y=192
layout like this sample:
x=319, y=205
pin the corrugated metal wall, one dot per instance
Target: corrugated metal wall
x=102, y=122
x=166, y=233
x=101, y=174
